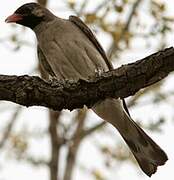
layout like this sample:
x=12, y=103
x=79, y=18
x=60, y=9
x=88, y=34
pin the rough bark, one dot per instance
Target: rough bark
x=121, y=82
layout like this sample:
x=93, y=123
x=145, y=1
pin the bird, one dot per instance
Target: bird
x=68, y=50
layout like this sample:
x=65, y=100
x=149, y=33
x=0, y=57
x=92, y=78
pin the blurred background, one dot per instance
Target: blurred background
x=36, y=143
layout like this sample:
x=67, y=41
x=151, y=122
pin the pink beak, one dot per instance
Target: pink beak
x=13, y=18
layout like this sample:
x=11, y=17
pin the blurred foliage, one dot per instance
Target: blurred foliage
x=123, y=23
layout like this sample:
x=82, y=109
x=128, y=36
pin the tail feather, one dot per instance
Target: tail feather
x=147, y=153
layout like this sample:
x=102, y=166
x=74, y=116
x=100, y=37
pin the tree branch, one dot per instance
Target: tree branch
x=56, y=142
x=74, y=145
x=58, y=95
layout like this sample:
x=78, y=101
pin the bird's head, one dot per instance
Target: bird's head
x=30, y=15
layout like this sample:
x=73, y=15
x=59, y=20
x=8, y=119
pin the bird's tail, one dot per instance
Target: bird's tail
x=147, y=153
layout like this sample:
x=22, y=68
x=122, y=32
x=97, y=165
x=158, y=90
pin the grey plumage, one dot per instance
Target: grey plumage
x=67, y=49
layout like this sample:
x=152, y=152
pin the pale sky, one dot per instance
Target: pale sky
x=21, y=62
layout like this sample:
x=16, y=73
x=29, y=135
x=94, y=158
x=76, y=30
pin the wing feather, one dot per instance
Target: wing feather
x=78, y=22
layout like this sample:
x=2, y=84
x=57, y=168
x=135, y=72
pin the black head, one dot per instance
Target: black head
x=30, y=15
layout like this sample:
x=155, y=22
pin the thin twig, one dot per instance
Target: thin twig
x=114, y=46
x=10, y=126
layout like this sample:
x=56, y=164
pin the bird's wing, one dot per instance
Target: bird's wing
x=84, y=28
x=81, y=25
x=44, y=64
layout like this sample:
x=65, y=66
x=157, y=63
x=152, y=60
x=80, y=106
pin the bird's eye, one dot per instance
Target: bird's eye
x=38, y=12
